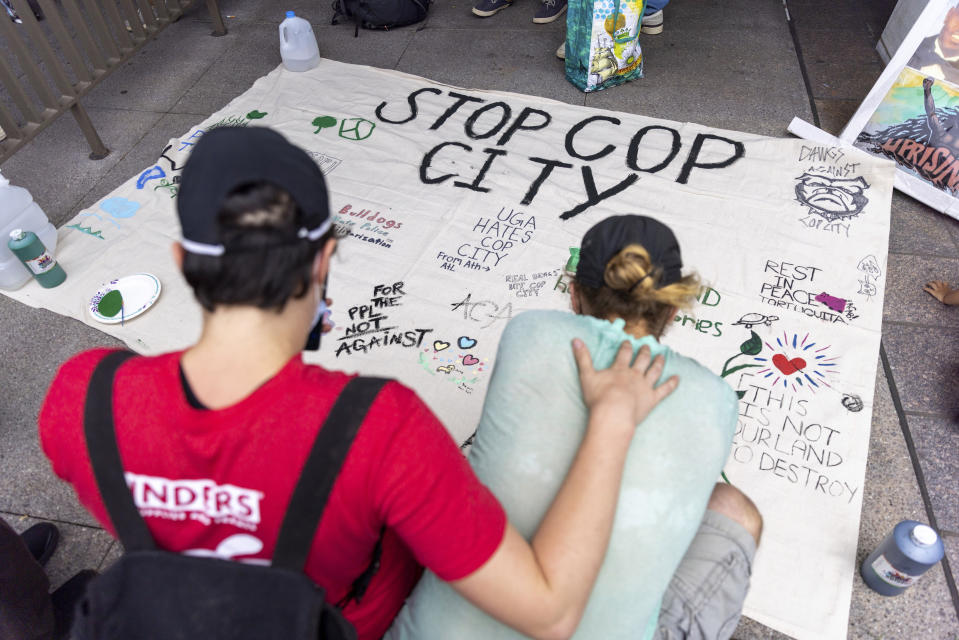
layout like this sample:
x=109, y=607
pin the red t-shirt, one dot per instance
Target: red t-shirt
x=217, y=482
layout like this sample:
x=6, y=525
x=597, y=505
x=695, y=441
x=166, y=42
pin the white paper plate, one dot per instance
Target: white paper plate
x=139, y=292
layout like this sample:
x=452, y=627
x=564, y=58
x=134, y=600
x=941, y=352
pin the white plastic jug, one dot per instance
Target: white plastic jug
x=19, y=211
x=298, y=46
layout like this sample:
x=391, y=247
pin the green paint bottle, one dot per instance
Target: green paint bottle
x=35, y=257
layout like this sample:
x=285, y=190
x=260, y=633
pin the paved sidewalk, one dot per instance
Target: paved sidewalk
x=737, y=64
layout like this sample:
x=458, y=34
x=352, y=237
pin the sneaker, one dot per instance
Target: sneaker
x=41, y=539
x=653, y=23
x=486, y=8
x=561, y=52
x=549, y=11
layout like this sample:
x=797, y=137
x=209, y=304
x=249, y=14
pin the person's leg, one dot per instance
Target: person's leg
x=26, y=611
x=65, y=599
x=35, y=7
x=735, y=505
x=704, y=600
x=652, y=6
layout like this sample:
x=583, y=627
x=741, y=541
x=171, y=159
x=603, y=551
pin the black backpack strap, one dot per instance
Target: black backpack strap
x=320, y=471
x=363, y=581
x=340, y=8
x=104, y=455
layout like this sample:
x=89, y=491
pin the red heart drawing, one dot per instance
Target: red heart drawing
x=788, y=367
x=469, y=360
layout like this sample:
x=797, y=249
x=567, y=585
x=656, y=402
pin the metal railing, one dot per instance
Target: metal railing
x=47, y=67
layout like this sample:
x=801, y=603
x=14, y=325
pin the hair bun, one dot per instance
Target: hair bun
x=630, y=270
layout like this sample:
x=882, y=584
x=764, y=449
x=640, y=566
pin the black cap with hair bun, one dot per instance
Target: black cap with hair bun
x=607, y=238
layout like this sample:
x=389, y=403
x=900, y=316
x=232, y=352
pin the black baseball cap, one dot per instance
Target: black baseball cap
x=229, y=157
x=607, y=238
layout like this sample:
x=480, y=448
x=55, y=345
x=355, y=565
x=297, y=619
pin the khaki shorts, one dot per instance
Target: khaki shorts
x=704, y=600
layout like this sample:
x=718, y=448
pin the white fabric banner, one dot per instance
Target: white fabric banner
x=461, y=208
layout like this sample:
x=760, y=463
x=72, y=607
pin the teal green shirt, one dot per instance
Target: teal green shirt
x=532, y=424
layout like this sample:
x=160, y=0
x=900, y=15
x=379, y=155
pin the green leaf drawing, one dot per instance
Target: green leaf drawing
x=256, y=115
x=753, y=346
x=322, y=122
x=740, y=394
x=110, y=304
x=573, y=261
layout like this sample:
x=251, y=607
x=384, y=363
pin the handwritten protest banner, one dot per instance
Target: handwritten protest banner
x=457, y=210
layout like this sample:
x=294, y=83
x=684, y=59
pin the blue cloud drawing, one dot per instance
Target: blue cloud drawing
x=120, y=207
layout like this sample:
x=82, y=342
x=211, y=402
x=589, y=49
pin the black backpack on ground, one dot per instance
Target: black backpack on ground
x=150, y=594
x=380, y=14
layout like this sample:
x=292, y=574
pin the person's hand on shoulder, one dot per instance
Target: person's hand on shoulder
x=625, y=390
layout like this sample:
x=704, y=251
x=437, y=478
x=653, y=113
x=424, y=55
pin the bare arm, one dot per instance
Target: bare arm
x=541, y=589
x=935, y=127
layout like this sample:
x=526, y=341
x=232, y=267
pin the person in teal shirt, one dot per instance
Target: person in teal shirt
x=682, y=545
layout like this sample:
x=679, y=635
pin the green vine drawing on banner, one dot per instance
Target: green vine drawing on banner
x=751, y=347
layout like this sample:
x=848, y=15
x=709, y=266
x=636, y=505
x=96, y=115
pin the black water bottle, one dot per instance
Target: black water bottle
x=906, y=553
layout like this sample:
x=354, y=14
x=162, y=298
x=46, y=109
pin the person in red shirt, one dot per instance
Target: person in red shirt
x=212, y=438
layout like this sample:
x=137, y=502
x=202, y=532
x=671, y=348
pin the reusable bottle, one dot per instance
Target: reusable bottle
x=903, y=556
x=30, y=251
x=298, y=46
x=19, y=211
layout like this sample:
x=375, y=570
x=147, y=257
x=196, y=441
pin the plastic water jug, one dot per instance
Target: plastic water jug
x=19, y=211
x=298, y=46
